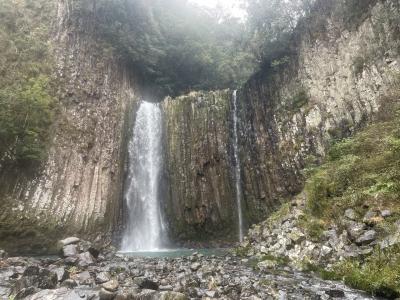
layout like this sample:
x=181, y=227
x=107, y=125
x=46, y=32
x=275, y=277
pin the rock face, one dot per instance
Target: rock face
x=336, y=81
x=78, y=188
x=200, y=186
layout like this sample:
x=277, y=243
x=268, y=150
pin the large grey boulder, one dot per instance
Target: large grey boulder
x=70, y=250
x=85, y=259
x=355, y=230
x=68, y=241
x=367, y=237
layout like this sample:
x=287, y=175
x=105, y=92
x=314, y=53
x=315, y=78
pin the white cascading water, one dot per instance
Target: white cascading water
x=145, y=228
x=237, y=167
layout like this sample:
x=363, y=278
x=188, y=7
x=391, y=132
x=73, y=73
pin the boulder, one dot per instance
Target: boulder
x=111, y=285
x=195, y=266
x=69, y=283
x=145, y=283
x=71, y=261
x=372, y=218
x=106, y=295
x=386, y=213
x=367, y=237
x=70, y=250
x=62, y=274
x=68, y=241
x=83, y=278
x=33, y=278
x=350, y=214
x=62, y=293
x=103, y=277
x=355, y=230
x=172, y=296
x=85, y=259
x=145, y=295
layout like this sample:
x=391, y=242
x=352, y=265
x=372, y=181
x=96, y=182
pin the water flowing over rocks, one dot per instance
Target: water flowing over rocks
x=119, y=277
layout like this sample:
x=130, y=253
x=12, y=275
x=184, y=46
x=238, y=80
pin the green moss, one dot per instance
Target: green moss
x=27, y=103
x=379, y=274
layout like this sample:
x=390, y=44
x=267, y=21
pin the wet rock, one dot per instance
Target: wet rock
x=94, y=252
x=367, y=237
x=335, y=293
x=145, y=283
x=31, y=271
x=111, y=285
x=70, y=250
x=33, y=278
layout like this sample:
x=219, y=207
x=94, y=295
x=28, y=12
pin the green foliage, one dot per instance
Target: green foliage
x=313, y=227
x=362, y=169
x=26, y=103
x=272, y=23
x=300, y=99
x=173, y=44
x=379, y=274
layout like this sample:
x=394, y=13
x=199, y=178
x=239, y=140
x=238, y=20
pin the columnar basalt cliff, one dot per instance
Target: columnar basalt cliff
x=334, y=84
x=78, y=189
x=289, y=112
x=200, y=184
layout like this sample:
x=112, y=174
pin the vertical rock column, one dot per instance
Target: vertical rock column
x=201, y=192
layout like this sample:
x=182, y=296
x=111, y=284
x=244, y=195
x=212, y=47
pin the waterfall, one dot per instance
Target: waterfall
x=145, y=228
x=237, y=167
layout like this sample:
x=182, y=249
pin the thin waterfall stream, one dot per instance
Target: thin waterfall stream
x=238, y=178
x=145, y=229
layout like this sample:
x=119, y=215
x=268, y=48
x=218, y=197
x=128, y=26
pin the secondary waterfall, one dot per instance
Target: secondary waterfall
x=145, y=228
x=237, y=167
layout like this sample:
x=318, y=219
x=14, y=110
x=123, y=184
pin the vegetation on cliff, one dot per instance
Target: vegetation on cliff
x=362, y=173
x=26, y=94
x=173, y=46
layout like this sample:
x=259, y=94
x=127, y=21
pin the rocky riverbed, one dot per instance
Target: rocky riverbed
x=83, y=272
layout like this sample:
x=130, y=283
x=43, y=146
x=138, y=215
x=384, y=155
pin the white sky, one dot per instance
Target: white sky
x=231, y=6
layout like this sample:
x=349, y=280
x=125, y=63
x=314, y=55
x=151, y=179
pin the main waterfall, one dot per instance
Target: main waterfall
x=145, y=229
x=237, y=167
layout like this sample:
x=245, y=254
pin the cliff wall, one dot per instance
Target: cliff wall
x=78, y=188
x=336, y=81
